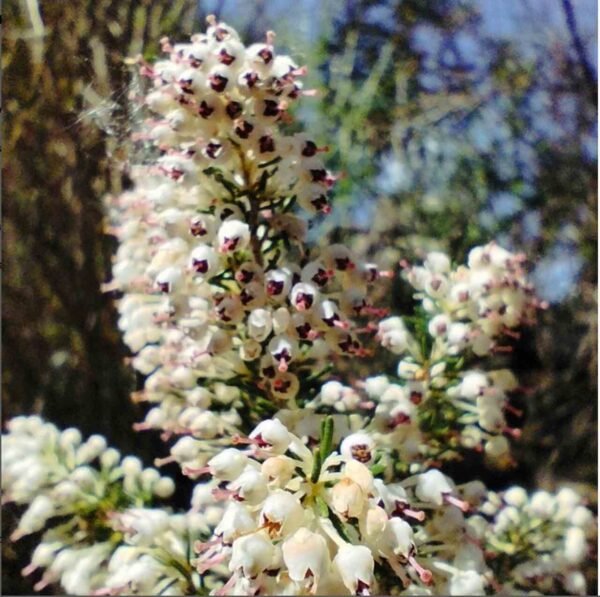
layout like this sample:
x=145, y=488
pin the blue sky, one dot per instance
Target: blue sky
x=529, y=24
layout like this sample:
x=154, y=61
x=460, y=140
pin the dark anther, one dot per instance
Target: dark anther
x=274, y=287
x=218, y=82
x=205, y=110
x=271, y=108
x=244, y=129
x=212, y=150
x=225, y=57
x=318, y=175
x=200, y=265
x=266, y=144
x=251, y=78
x=309, y=150
x=233, y=109
x=266, y=55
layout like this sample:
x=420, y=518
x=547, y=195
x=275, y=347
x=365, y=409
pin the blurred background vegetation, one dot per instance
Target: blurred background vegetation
x=451, y=122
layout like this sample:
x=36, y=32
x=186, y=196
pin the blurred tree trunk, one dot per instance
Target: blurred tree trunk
x=63, y=77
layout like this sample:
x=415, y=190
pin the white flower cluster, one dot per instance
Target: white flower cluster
x=56, y=471
x=74, y=488
x=223, y=304
x=302, y=522
x=234, y=323
x=539, y=542
x=147, y=554
x=469, y=307
x=462, y=313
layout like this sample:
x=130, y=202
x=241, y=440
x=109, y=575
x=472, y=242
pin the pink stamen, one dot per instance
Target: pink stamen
x=16, y=535
x=511, y=333
x=199, y=546
x=300, y=72
x=366, y=404
x=42, y=584
x=228, y=585
x=502, y=349
x=147, y=71
x=344, y=325
x=283, y=365
x=141, y=427
x=386, y=274
x=513, y=432
x=222, y=494
x=515, y=411
x=190, y=471
x=245, y=441
x=463, y=505
x=416, y=514
x=425, y=575
x=29, y=569
x=207, y=564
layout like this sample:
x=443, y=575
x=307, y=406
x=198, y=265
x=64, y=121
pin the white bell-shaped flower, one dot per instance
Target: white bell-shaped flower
x=304, y=297
x=259, y=324
x=272, y=435
x=347, y=498
x=305, y=555
x=236, y=521
x=228, y=464
x=355, y=565
x=250, y=486
x=281, y=514
x=278, y=470
x=466, y=582
x=233, y=235
x=204, y=260
x=432, y=486
x=398, y=538
x=251, y=555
